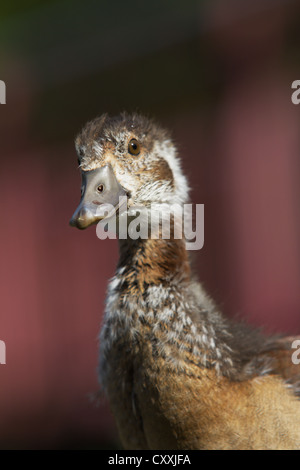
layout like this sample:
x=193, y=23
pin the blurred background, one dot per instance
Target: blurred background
x=218, y=74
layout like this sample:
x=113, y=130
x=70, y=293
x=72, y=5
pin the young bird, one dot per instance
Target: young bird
x=177, y=373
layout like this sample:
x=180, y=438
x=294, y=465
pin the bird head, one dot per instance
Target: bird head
x=127, y=155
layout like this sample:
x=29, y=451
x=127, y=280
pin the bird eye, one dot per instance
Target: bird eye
x=134, y=147
x=100, y=188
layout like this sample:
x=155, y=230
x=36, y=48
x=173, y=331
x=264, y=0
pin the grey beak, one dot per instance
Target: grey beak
x=100, y=198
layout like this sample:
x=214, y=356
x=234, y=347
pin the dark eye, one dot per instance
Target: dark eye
x=100, y=188
x=134, y=147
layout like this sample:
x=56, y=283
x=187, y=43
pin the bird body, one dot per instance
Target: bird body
x=177, y=373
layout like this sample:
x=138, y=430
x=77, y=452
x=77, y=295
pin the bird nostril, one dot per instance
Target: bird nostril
x=100, y=188
x=84, y=212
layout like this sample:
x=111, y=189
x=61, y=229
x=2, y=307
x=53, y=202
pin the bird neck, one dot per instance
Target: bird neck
x=147, y=262
x=154, y=298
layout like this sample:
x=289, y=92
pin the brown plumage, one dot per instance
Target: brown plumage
x=177, y=373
